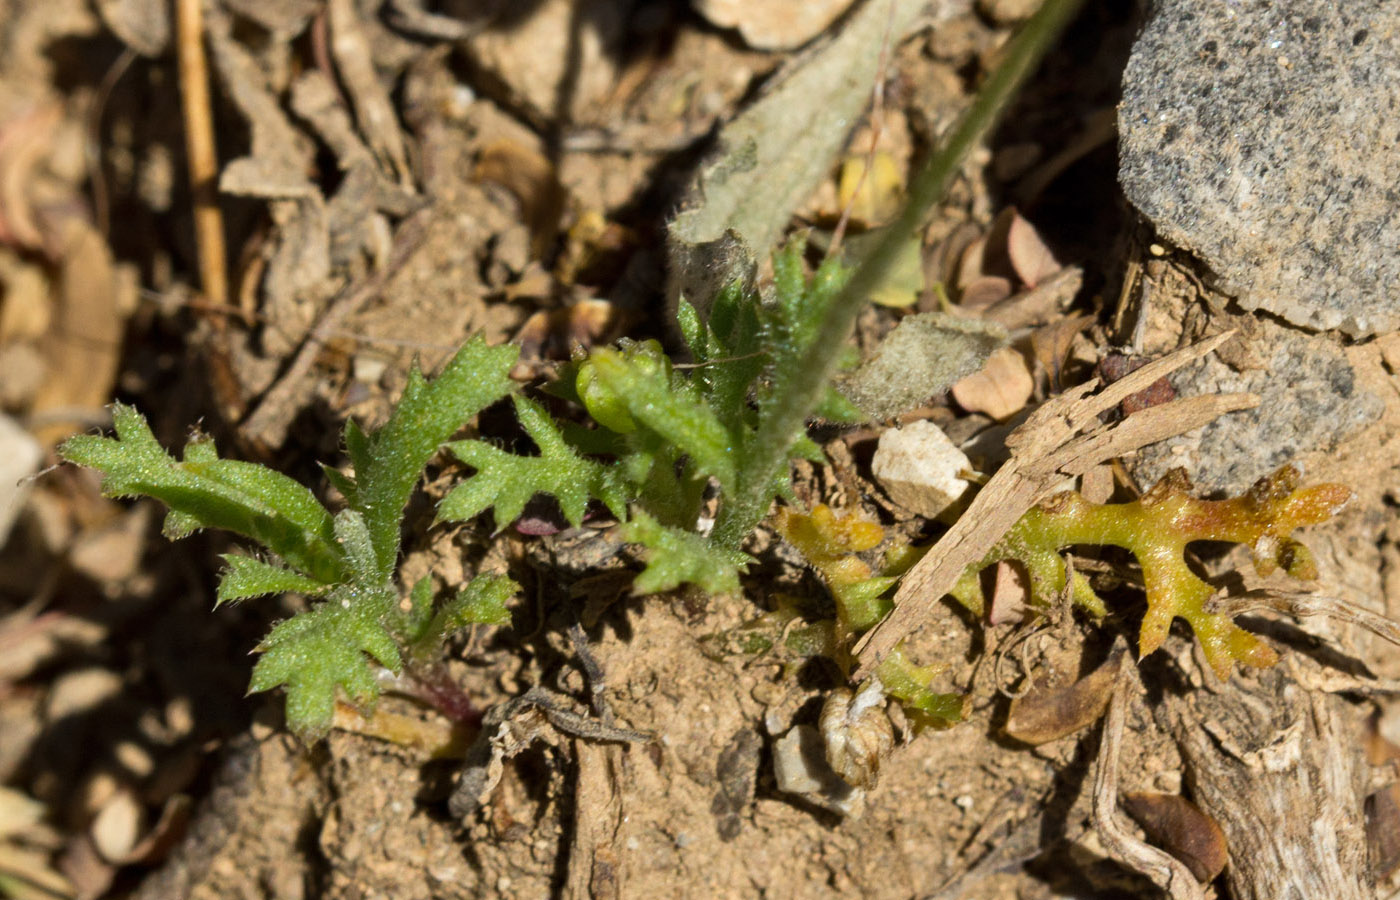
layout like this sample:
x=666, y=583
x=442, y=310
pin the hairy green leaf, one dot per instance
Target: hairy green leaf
x=205, y=491
x=481, y=602
x=675, y=557
x=246, y=577
x=656, y=400
x=326, y=647
x=506, y=481
x=389, y=462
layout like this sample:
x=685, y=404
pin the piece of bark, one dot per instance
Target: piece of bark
x=1280, y=769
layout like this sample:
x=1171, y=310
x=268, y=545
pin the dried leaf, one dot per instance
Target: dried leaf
x=1011, y=594
x=1041, y=304
x=83, y=346
x=923, y=356
x=1031, y=259
x=775, y=153
x=1049, y=713
x=1179, y=827
x=531, y=179
x=983, y=292
x=871, y=186
x=1000, y=390
x=143, y=25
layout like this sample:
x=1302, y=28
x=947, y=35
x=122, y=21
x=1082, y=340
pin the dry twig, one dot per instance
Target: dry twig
x=1298, y=603
x=1164, y=870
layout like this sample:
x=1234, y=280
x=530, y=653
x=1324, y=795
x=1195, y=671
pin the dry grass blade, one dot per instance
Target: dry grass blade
x=1046, y=448
x=203, y=158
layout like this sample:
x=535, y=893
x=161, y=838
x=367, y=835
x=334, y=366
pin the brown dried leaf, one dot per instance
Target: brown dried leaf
x=1051, y=345
x=1049, y=713
x=1031, y=259
x=1000, y=390
x=143, y=25
x=1179, y=827
x=1011, y=594
x=983, y=292
x=1041, y=304
x=83, y=347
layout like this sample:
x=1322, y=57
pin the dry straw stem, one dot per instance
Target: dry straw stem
x=1063, y=438
x=200, y=150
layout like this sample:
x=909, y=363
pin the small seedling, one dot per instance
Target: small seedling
x=347, y=559
x=659, y=446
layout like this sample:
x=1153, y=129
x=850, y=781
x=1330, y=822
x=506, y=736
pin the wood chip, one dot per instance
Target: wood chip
x=1063, y=437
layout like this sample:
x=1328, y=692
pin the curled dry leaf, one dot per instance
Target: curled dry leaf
x=857, y=732
x=1049, y=713
x=1179, y=827
x=1000, y=390
x=1052, y=344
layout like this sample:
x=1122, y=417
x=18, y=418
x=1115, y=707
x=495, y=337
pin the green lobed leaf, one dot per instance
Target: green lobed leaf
x=675, y=557
x=389, y=462
x=325, y=648
x=506, y=481
x=685, y=421
x=208, y=492
x=481, y=602
x=245, y=578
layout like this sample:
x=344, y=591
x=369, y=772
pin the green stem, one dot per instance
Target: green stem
x=769, y=453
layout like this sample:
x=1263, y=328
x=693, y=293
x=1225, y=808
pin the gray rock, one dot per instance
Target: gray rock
x=1310, y=401
x=1262, y=136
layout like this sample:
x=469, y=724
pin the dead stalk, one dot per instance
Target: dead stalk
x=1161, y=868
x=1297, y=603
x=201, y=153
